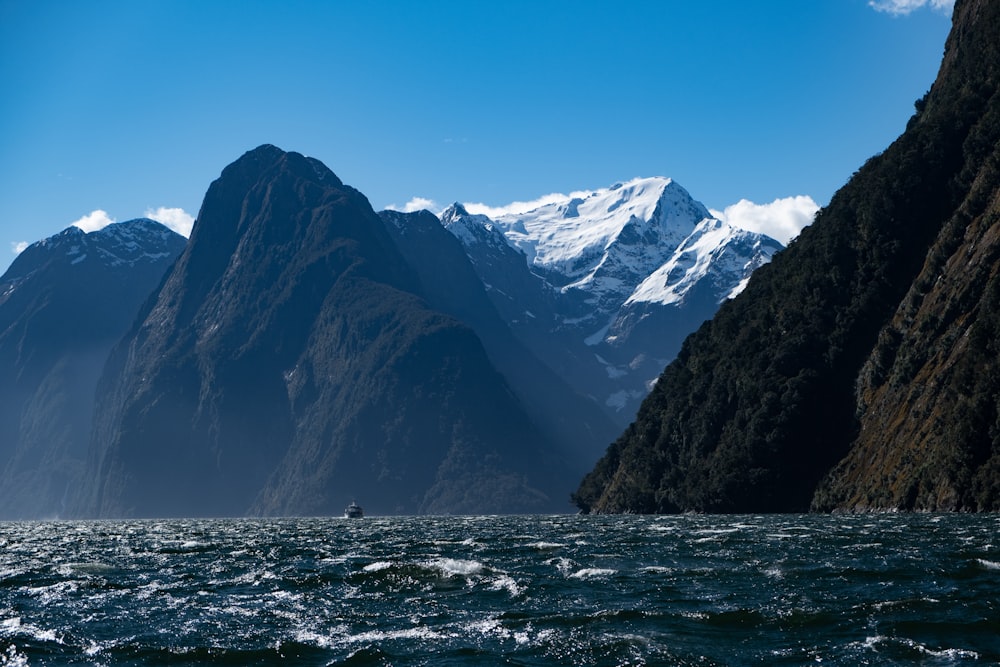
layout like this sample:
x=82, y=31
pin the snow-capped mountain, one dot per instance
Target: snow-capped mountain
x=122, y=244
x=605, y=284
x=577, y=237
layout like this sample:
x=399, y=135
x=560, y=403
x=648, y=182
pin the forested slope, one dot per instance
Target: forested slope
x=830, y=351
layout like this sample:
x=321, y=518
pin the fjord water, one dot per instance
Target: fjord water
x=518, y=590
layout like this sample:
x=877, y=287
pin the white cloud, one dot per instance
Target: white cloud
x=17, y=247
x=94, y=220
x=176, y=219
x=782, y=219
x=417, y=204
x=904, y=7
x=520, y=207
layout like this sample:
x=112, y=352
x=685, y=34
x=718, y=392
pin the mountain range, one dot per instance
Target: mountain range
x=64, y=303
x=301, y=351
x=289, y=363
x=858, y=370
x=606, y=284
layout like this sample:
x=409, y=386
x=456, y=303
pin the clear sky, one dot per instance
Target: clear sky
x=130, y=107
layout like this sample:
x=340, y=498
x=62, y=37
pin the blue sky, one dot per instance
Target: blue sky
x=130, y=107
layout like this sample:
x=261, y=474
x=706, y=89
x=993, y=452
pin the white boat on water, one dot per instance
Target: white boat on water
x=353, y=511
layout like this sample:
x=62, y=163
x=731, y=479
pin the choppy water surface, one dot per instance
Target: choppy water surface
x=685, y=590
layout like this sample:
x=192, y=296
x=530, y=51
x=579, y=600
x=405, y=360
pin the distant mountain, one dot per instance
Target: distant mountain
x=606, y=284
x=450, y=284
x=293, y=361
x=858, y=370
x=64, y=302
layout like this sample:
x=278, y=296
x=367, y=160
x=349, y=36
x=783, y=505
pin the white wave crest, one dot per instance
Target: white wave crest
x=507, y=583
x=546, y=546
x=593, y=573
x=377, y=566
x=452, y=567
x=13, y=658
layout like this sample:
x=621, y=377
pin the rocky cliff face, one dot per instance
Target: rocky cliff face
x=928, y=396
x=64, y=302
x=856, y=370
x=288, y=365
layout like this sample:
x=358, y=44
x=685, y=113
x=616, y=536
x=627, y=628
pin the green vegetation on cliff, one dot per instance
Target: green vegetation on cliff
x=773, y=393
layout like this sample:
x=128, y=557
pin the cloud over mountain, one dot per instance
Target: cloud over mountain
x=176, y=219
x=782, y=219
x=519, y=207
x=94, y=220
x=417, y=204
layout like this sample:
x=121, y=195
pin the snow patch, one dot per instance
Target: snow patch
x=714, y=246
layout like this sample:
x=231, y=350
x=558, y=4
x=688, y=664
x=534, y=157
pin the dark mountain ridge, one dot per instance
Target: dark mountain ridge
x=450, y=284
x=64, y=302
x=289, y=364
x=855, y=371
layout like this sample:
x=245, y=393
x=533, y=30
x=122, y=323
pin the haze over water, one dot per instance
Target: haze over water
x=538, y=590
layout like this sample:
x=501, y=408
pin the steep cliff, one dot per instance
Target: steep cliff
x=871, y=337
x=928, y=396
x=287, y=366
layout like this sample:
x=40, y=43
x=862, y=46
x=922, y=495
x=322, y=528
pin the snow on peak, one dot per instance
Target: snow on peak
x=117, y=243
x=718, y=247
x=134, y=241
x=571, y=234
x=472, y=229
x=453, y=212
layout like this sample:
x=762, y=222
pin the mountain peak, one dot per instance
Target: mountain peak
x=620, y=274
x=570, y=235
x=133, y=241
x=453, y=212
x=267, y=157
x=117, y=244
x=265, y=151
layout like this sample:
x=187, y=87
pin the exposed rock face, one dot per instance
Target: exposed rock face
x=64, y=303
x=287, y=366
x=929, y=393
x=867, y=348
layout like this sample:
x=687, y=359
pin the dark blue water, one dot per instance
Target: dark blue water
x=563, y=590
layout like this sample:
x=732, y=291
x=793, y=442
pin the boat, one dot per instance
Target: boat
x=353, y=511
